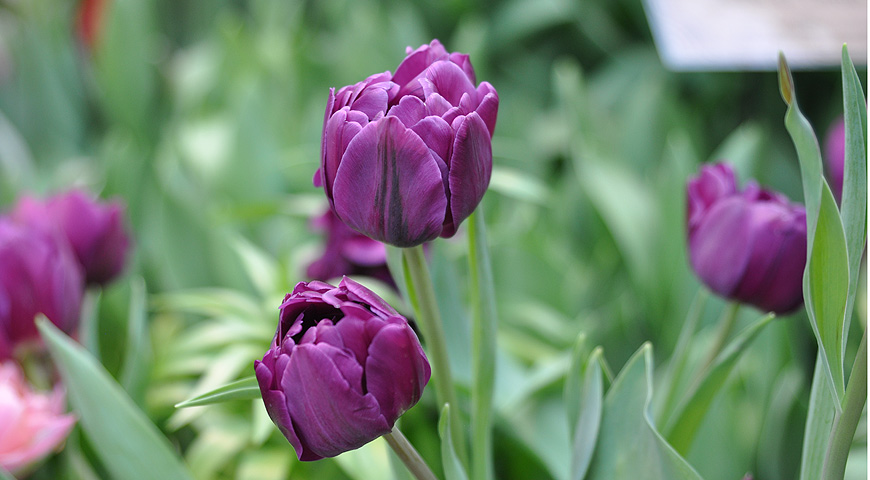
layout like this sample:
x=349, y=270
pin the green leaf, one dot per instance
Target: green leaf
x=129, y=445
x=134, y=375
x=629, y=446
x=681, y=432
x=452, y=466
x=584, y=428
x=854, y=201
x=826, y=277
x=820, y=420
x=483, y=347
x=574, y=381
x=244, y=389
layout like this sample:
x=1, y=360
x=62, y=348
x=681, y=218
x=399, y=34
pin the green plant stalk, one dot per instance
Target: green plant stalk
x=483, y=347
x=422, y=296
x=845, y=424
x=409, y=455
x=726, y=326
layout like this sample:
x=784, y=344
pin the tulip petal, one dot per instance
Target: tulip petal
x=396, y=370
x=720, y=246
x=356, y=292
x=437, y=134
x=470, y=167
x=417, y=61
x=447, y=79
x=389, y=186
x=488, y=108
x=276, y=405
x=330, y=417
x=410, y=110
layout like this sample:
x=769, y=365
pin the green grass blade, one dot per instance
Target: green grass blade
x=687, y=420
x=134, y=374
x=244, y=389
x=585, y=427
x=129, y=445
x=820, y=420
x=452, y=466
x=854, y=201
x=826, y=277
x=483, y=337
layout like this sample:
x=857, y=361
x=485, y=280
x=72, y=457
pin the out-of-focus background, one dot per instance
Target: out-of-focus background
x=205, y=117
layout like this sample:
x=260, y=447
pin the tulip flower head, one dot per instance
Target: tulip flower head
x=749, y=245
x=38, y=274
x=835, y=156
x=31, y=424
x=348, y=252
x=343, y=366
x=95, y=230
x=407, y=157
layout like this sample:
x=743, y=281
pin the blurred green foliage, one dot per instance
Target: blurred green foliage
x=205, y=117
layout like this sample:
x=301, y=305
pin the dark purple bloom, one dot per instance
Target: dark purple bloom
x=38, y=274
x=348, y=252
x=95, y=230
x=343, y=366
x=835, y=156
x=750, y=245
x=407, y=157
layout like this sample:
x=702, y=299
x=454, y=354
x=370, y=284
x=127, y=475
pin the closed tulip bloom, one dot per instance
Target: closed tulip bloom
x=38, y=274
x=835, y=156
x=348, y=252
x=32, y=424
x=343, y=366
x=95, y=230
x=749, y=245
x=407, y=157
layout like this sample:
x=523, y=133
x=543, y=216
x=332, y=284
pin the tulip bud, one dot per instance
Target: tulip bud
x=343, y=366
x=407, y=157
x=835, y=156
x=38, y=274
x=31, y=424
x=750, y=245
x=348, y=252
x=94, y=230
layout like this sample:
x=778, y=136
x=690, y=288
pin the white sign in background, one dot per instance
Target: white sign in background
x=749, y=34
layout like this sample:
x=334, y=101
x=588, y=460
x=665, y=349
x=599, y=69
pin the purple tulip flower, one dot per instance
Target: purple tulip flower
x=95, y=230
x=38, y=274
x=407, y=157
x=750, y=245
x=835, y=156
x=343, y=366
x=348, y=252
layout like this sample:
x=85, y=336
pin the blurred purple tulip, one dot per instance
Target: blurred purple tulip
x=750, y=245
x=95, y=230
x=348, y=252
x=343, y=366
x=835, y=156
x=407, y=157
x=38, y=274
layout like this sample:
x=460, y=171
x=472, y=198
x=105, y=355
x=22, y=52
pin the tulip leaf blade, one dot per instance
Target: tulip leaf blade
x=452, y=466
x=134, y=372
x=820, y=421
x=689, y=416
x=826, y=277
x=629, y=446
x=244, y=389
x=127, y=442
x=854, y=191
x=584, y=406
x=483, y=346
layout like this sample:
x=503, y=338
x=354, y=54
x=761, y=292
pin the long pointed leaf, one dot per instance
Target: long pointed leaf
x=820, y=420
x=129, y=445
x=586, y=425
x=452, y=466
x=244, y=389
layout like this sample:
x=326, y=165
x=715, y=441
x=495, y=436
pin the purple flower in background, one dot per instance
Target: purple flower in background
x=835, y=156
x=38, y=274
x=407, y=157
x=343, y=366
x=348, y=252
x=95, y=230
x=750, y=245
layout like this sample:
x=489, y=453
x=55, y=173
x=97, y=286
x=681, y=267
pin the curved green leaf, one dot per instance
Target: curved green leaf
x=129, y=445
x=244, y=389
x=452, y=466
x=585, y=426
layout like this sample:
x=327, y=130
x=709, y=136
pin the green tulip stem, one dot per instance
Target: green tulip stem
x=726, y=326
x=846, y=423
x=422, y=296
x=409, y=455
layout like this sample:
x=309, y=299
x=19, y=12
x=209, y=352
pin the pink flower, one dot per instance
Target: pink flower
x=31, y=424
